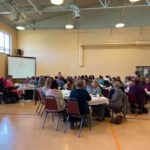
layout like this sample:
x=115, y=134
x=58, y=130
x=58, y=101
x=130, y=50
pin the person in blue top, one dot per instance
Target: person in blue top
x=87, y=85
x=101, y=80
x=95, y=88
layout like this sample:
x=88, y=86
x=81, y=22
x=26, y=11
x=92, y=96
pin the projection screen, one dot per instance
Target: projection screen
x=21, y=67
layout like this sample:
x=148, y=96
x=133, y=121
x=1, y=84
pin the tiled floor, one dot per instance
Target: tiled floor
x=20, y=129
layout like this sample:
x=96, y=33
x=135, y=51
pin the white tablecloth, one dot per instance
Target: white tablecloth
x=24, y=87
x=94, y=101
x=98, y=101
x=27, y=88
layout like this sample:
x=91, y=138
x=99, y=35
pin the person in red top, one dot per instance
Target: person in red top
x=9, y=83
x=10, y=86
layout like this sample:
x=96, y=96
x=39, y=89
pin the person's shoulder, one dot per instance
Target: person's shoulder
x=74, y=91
x=85, y=91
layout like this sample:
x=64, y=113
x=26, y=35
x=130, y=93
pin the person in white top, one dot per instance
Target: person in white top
x=47, y=86
x=54, y=91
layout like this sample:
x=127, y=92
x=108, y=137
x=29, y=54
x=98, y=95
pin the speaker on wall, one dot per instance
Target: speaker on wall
x=19, y=52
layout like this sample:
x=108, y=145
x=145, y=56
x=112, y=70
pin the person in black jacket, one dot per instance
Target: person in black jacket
x=82, y=97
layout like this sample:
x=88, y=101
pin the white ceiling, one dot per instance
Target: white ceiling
x=41, y=14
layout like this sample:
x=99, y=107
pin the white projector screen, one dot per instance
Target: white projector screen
x=21, y=67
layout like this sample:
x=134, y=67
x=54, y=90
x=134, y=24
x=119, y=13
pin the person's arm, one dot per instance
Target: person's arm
x=88, y=96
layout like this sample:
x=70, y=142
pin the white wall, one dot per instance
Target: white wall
x=57, y=50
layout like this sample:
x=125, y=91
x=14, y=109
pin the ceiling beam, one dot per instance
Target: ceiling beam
x=148, y=2
x=63, y=9
x=34, y=6
x=15, y=9
x=101, y=2
x=105, y=3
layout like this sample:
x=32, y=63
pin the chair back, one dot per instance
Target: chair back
x=51, y=104
x=41, y=97
x=73, y=108
x=131, y=98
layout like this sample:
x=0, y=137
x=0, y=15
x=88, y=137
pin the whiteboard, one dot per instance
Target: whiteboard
x=21, y=67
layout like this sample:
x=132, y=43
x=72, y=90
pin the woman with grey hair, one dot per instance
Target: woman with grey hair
x=47, y=86
x=41, y=82
x=116, y=95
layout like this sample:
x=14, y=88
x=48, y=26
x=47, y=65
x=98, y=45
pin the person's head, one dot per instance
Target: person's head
x=37, y=78
x=56, y=77
x=75, y=77
x=82, y=77
x=48, y=82
x=147, y=80
x=95, y=84
x=80, y=84
x=100, y=77
x=70, y=80
x=137, y=81
x=118, y=78
x=107, y=76
x=41, y=81
x=33, y=78
x=54, y=84
x=117, y=84
x=128, y=78
x=9, y=77
x=114, y=79
x=86, y=82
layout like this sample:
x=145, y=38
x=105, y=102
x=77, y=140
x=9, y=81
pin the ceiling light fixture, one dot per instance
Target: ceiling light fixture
x=120, y=25
x=69, y=26
x=134, y=1
x=57, y=2
x=20, y=28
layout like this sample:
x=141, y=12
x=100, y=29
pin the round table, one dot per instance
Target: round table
x=94, y=101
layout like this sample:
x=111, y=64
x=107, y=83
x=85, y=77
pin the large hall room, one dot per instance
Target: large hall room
x=74, y=72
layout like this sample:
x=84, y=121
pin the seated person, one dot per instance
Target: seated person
x=60, y=82
x=55, y=92
x=32, y=80
x=96, y=91
x=70, y=84
x=101, y=80
x=47, y=86
x=147, y=84
x=82, y=97
x=11, y=87
x=116, y=95
x=140, y=94
x=41, y=82
x=98, y=110
x=87, y=86
x=59, y=75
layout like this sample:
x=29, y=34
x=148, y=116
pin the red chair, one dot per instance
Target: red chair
x=51, y=107
x=73, y=111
